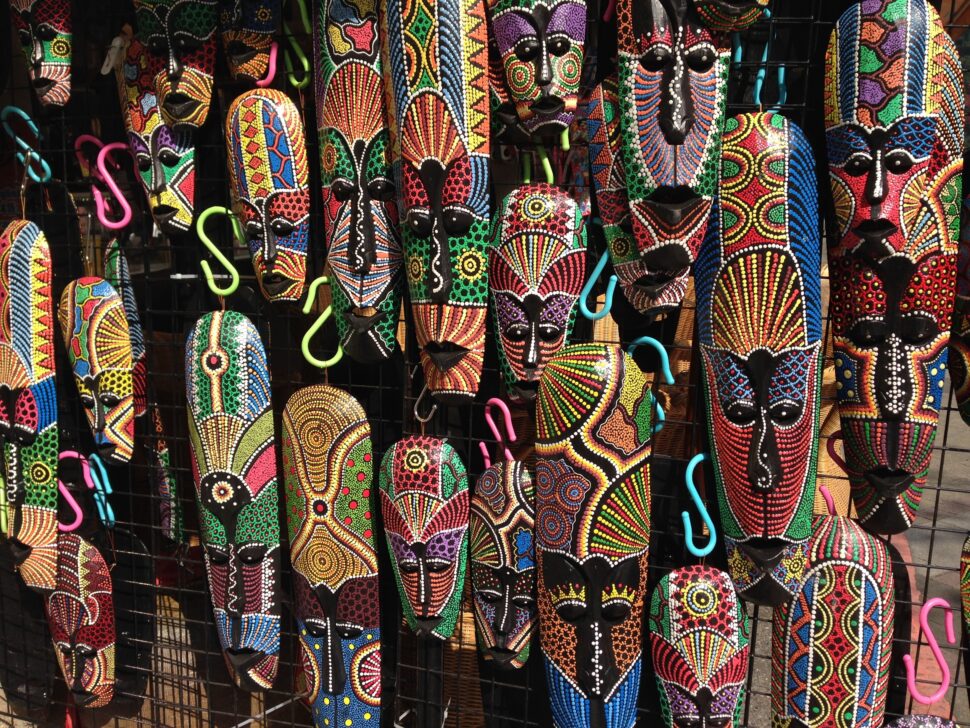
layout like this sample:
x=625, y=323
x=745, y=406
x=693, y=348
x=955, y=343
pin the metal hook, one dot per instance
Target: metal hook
x=701, y=509
x=108, y=179
x=315, y=326
x=501, y=439
x=588, y=289
x=66, y=494
x=664, y=367
x=264, y=82
x=216, y=253
x=417, y=415
x=102, y=489
x=25, y=148
x=935, y=649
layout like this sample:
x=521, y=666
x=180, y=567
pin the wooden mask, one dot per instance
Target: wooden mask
x=727, y=16
x=832, y=643
x=503, y=565
x=98, y=342
x=894, y=120
x=266, y=151
x=699, y=639
x=44, y=29
x=537, y=268
x=28, y=403
x=247, y=28
x=672, y=92
x=181, y=39
x=959, y=356
x=359, y=195
x=329, y=471
x=234, y=466
x=759, y=321
x=594, y=417
x=424, y=501
x=436, y=59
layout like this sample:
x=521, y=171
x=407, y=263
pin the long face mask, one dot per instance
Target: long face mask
x=593, y=531
x=165, y=158
x=181, y=39
x=699, y=639
x=672, y=94
x=895, y=166
x=729, y=16
x=424, y=501
x=81, y=616
x=98, y=342
x=117, y=275
x=266, y=150
x=814, y=641
x=44, y=29
x=439, y=86
x=359, y=195
x=247, y=28
x=234, y=466
x=329, y=474
x=760, y=326
x=28, y=404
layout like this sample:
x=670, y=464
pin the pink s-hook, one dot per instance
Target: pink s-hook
x=503, y=440
x=935, y=649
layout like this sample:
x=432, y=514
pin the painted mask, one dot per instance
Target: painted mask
x=44, y=28
x=439, y=87
x=98, y=342
x=959, y=356
x=832, y=643
x=507, y=127
x=541, y=45
x=728, y=16
x=699, y=639
x=247, y=28
x=28, y=403
x=502, y=557
x=672, y=94
x=537, y=267
x=329, y=473
x=181, y=39
x=594, y=417
x=234, y=465
x=424, y=501
x=359, y=195
x=118, y=277
x=759, y=321
x=266, y=150
x=165, y=158
x=81, y=616
x=921, y=721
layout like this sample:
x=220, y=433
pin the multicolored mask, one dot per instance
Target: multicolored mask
x=503, y=565
x=28, y=404
x=894, y=119
x=98, y=342
x=234, y=465
x=424, y=501
x=81, y=616
x=165, y=158
x=329, y=473
x=959, y=356
x=759, y=321
x=832, y=643
x=728, y=16
x=594, y=426
x=266, y=150
x=541, y=45
x=181, y=40
x=247, y=28
x=437, y=56
x=359, y=196
x=44, y=28
x=699, y=639
x=672, y=94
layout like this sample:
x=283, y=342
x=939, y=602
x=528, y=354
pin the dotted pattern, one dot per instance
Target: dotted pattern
x=46, y=23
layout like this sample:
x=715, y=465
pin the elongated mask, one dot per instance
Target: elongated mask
x=44, y=30
x=247, y=28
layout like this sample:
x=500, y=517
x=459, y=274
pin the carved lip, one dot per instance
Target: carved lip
x=42, y=85
x=680, y=196
x=242, y=660
x=525, y=390
x=180, y=106
x=82, y=697
x=240, y=53
x=766, y=553
x=275, y=283
x=501, y=655
x=548, y=105
x=889, y=482
x=654, y=283
x=163, y=213
x=424, y=626
x=19, y=551
x=875, y=229
x=445, y=354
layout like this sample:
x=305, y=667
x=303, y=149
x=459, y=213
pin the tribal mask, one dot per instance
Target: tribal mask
x=98, y=342
x=440, y=117
x=81, y=616
x=832, y=643
x=959, y=356
x=759, y=321
x=247, y=28
x=424, y=501
x=672, y=94
x=359, y=196
x=503, y=565
x=28, y=403
x=594, y=427
x=165, y=158
x=728, y=16
x=329, y=473
x=699, y=639
x=541, y=46
x=118, y=277
x=181, y=40
x=234, y=465
x=44, y=28
x=537, y=268
x=266, y=150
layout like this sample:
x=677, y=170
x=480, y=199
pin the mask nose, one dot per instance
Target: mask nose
x=676, y=107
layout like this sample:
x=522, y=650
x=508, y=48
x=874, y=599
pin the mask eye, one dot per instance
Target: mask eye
x=899, y=162
x=253, y=230
x=168, y=157
x=527, y=49
x=109, y=399
x=549, y=333
x=785, y=412
x=144, y=162
x=316, y=630
x=217, y=554
x=187, y=43
x=349, y=631
x=858, y=164
x=281, y=227
x=741, y=412
x=517, y=332
x=523, y=601
x=487, y=595
x=46, y=32
x=252, y=554
x=436, y=566
x=381, y=189
x=616, y=610
x=157, y=46
x=701, y=60
x=87, y=401
x=558, y=45
x=868, y=333
x=457, y=220
x=918, y=330
x=419, y=221
x=408, y=566
x=655, y=59
x=342, y=189
x=571, y=611
x=25, y=39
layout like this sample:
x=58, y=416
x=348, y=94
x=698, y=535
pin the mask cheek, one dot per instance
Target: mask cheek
x=854, y=386
x=522, y=83
x=929, y=371
x=442, y=589
x=566, y=72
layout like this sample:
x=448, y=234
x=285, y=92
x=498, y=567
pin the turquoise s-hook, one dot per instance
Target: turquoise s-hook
x=588, y=289
x=701, y=508
x=665, y=368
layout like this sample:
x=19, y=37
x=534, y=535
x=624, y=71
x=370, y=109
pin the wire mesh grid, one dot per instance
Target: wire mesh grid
x=174, y=668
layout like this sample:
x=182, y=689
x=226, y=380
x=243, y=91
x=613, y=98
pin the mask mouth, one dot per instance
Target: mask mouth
x=766, y=553
x=107, y=450
x=424, y=626
x=163, y=213
x=42, y=85
x=240, y=53
x=242, y=660
x=82, y=697
x=670, y=206
x=548, y=105
x=653, y=284
x=274, y=283
x=875, y=236
x=179, y=105
x=889, y=482
x=19, y=551
x=502, y=655
x=445, y=354
x=362, y=320
x=679, y=196
x=525, y=390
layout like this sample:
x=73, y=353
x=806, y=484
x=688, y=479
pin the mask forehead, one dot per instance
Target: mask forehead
x=44, y=30
x=727, y=16
x=247, y=28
